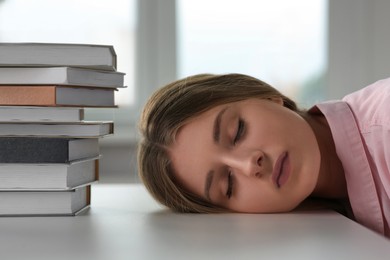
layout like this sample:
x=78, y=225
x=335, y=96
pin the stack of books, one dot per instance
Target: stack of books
x=48, y=153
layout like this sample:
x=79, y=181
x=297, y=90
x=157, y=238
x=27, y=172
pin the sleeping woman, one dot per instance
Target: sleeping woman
x=232, y=143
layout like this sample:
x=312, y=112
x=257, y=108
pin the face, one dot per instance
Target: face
x=252, y=156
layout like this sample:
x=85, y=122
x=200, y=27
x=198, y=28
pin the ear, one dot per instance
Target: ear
x=277, y=100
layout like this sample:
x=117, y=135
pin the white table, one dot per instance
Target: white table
x=125, y=223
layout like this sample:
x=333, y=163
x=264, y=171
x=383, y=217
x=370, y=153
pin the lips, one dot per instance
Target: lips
x=281, y=170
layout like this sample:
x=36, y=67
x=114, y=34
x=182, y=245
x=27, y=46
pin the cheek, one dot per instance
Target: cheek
x=269, y=126
x=259, y=197
x=252, y=197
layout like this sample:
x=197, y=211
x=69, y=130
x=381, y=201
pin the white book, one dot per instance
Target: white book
x=101, y=57
x=61, y=76
x=33, y=114
x=85, y=129
x=30, y=203
x=55, y=176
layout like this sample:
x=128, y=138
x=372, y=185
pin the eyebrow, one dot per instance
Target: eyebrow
x=217, y=125
x=216, y=137
x=209, y=180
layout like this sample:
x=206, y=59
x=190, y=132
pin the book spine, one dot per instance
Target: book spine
x=34, y=150
x=26, y=95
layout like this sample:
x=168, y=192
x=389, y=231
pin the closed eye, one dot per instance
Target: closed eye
x=229, y=190
x=240, y=130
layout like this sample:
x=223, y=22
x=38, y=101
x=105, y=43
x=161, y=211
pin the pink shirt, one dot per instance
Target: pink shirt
x=360, y=126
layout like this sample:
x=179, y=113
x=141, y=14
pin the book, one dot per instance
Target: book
x=84, y=129
x=30, y=203
x=101, y=57
x=48, y=176
x=46, y=150
x=61, y=76
x=56, y=96
x=33, y=114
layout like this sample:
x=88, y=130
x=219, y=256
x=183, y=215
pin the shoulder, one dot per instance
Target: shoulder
x=371, y=96
x=371, y=105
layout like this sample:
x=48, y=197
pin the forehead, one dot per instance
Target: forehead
x=194, y=133
x=191, y=150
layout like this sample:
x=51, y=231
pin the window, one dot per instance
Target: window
x=281, y=42
x=93, y=21
x=89, y=21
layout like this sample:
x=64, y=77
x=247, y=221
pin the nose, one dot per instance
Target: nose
x=249, y=163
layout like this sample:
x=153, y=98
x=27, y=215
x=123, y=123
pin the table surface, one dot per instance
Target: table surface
x=124, y=222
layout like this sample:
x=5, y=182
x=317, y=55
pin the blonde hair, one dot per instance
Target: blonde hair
x=171, y=107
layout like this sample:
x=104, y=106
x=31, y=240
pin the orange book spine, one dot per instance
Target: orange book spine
x=28, y=95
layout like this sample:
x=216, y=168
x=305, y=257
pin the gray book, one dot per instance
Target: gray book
x=46, y=150
x=41, y=114
x=84, y=129
x=48, y=176
x=102, y=57
x=61, y=76
x=30, y=203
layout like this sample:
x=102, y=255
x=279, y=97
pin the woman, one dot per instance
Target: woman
x=232, y=143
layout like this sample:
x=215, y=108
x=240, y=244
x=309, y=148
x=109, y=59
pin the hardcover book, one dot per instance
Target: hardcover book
x=46, y=150
x=30, y=203
x=56, y=96
x=102, y=57
x=84, y=129
x=33, y=114
x=46, y=176
x=61, y=76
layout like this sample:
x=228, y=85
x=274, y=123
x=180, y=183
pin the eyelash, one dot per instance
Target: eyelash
x=229, y=190
x=240, y=130
x=239, y=134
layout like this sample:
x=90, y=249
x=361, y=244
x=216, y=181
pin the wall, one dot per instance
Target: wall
x=359, y=40
x=118, y=164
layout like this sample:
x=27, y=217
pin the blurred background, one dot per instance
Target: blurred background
x=311, y=50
